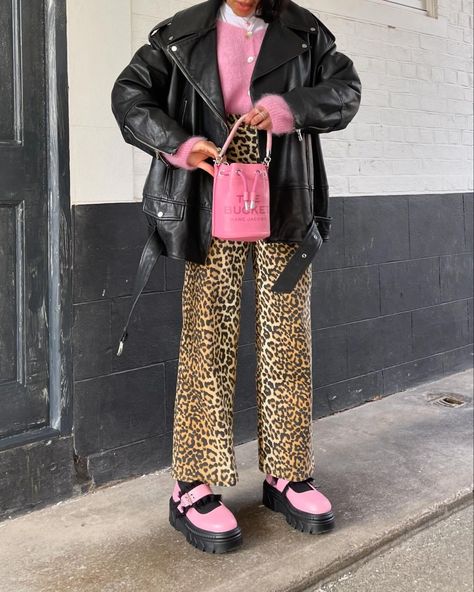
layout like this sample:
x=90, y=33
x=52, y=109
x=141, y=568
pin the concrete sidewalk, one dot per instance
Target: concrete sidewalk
x=437, y=558
x=388, y=467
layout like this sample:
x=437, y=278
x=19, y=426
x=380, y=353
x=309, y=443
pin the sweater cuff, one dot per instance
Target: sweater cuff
x=180, y=157
x=280, y=112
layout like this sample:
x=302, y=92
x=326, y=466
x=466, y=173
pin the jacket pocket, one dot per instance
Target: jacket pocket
x=166, y=181
x=158, y=180
x=163, y=209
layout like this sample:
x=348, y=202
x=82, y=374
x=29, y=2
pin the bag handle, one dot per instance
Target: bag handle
x=223, y=150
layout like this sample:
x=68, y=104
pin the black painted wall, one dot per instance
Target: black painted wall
x=392, y=307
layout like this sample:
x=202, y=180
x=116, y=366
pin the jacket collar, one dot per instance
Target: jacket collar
x=202, y=17
x=195, y=27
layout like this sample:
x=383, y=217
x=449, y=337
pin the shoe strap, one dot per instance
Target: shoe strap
x=191, y=497
x=282, y=485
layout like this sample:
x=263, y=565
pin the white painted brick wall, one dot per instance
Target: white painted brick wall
x=99, y=45
x=413, y=132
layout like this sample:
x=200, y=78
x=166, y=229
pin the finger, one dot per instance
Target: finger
x=214, y=149
x=261, y=112
x=207, y=147
x=207, y=150
x=211, y=152
x=250, y=115
x=260, y=118
x=206, y=167
x=196, y=157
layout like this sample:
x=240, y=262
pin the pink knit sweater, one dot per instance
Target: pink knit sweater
x=236, y=56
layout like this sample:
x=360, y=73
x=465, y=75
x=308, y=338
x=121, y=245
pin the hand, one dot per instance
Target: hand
x=202, y=150
x=260, y=118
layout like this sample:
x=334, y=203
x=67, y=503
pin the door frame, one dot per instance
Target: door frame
x=60, y=311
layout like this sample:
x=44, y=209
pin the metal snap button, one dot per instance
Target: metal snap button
x=312, y=29
x=250, y=59
x=160, y=214
x=303, y=255
x=171, y=37
x=173, y=48
x=304, y=45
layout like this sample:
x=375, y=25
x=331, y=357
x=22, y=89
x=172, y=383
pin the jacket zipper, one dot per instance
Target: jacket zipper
x=155, y=150
x=300, y=138
x=185, y=103
x=309, y=127
x=203, y=96
x=168, y=166
x=310, y=172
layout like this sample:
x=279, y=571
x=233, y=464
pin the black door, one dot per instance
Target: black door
x=26, y=265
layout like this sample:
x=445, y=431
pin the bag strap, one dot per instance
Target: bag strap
x=223, y=150
x=150, y=254
x=299, y=261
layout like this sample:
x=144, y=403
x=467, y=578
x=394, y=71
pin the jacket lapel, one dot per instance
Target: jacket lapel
x=280, y=45
x=191, y=40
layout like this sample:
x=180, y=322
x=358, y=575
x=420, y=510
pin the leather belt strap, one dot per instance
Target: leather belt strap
x=299, y=261
x=150, y=254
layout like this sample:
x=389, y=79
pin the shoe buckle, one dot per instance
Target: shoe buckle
x=185, y=500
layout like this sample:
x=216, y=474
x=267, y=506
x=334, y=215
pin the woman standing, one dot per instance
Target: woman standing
x=177, y=100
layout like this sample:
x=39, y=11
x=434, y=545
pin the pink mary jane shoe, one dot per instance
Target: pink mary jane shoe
x=304, y=507
x=205, y=521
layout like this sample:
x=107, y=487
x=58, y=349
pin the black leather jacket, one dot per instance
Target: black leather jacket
x=171, y=91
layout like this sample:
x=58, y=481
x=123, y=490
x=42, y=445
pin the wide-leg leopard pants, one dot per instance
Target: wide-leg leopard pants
x=211, y=298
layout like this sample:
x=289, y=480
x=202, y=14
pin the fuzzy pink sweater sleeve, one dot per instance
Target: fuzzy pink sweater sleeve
x=282, y=116
x=180, y=157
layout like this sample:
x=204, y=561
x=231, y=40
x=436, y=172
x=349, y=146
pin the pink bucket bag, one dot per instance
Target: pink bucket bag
x=241, y=195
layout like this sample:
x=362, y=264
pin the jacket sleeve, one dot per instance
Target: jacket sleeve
x=333, y=98
x=139, y=98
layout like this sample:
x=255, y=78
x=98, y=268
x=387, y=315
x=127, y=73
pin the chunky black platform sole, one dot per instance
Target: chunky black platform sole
x=219, y=542
x=302, y=521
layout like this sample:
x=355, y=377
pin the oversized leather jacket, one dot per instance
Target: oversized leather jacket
x=171, y=91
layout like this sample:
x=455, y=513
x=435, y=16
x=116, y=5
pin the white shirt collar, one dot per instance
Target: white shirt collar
x=252, y=22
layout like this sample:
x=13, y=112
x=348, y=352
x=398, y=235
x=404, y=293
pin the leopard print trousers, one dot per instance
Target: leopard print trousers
x=211, y=297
